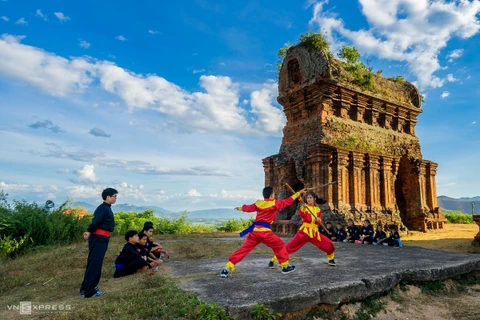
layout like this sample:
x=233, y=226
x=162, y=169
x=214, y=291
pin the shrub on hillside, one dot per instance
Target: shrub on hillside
x=233, y=225
x=459, y=217
x=125, y=221
x=24, y=224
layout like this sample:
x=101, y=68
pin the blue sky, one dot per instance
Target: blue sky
x=174, y=102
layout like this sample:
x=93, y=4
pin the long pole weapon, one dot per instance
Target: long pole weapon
x=302, y=202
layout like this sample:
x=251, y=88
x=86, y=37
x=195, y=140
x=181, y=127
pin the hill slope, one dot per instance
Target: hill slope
x=462, y=204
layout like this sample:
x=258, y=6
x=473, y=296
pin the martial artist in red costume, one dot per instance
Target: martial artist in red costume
x=260, y=232
x=308, y=232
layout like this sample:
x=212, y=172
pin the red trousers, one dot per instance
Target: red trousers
x=268, y=238
x=301, y=238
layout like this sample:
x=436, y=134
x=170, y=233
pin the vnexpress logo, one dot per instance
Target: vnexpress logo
x=28, y=308
x=25, y=307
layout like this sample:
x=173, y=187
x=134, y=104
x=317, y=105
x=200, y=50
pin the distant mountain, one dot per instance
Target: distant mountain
x=469, y=199
x=90, y=207
x=462, y=204
x=216, y=215
x=125, y=208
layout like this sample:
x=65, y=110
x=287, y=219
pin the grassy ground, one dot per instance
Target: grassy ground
x=454, y=237
x=138, y=296
x=53, y=276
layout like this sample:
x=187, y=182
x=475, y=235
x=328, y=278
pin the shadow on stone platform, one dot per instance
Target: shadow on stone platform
x=362, y=270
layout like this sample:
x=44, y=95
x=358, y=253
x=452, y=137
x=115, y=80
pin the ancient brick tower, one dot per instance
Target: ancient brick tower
x=364, y=140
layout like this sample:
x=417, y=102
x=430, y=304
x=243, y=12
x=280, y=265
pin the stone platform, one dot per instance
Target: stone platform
x=362, y=270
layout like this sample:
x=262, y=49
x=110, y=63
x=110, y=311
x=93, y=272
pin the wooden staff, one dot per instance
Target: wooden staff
x=302, y=202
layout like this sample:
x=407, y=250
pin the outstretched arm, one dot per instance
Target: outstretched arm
x=247, y=208
x=280, y=204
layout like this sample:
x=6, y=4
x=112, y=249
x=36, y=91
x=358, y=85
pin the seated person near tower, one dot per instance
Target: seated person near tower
x=156, y=249
x=130, y=261
x=260, y=232
x=353, y=232
x=366, y=233
x=393, y=239
x=340, y=233
x=380, y=236
x=327, y=231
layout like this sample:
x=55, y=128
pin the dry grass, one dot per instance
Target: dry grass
x=454, y=237
x=140, y=296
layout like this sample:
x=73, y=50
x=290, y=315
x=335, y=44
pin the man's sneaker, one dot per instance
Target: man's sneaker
x=155, y=269
x=97, y=294
x=358, y=241
x=288, y=269
x=375, y=243
x=332, y=262
x=271, y=265
x=224, y=273
x=385, y=244
x=82, y=292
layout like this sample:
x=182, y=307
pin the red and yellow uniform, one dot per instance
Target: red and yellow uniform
x=308, y=232
x=266, y=212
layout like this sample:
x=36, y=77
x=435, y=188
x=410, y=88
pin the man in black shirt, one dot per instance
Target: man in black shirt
x=98, y=235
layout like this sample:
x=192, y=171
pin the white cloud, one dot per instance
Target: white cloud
x=217, y=108
x=152, y=31
x=198, y=71
x=84, y=44
x=61, y=16
x=63, y=171
x=87, y=173
x=270, y=119
x=474, y=122
x=41, y=15
x=4, y=18
x=51, y=73
x=411, y=31
x=445, y=94
x=13, y=187
x=451, y=78
x=193, y=193
x=21, y=22
x=455, y=54
x=121, y=38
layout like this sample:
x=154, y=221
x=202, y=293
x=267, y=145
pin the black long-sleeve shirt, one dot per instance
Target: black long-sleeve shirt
x=380, y=235
x=366, y=231
x=128, y=255
x=341, y=234
x=102, y=218
x=353, y=231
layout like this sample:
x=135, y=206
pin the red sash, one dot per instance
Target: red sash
x=102, y=232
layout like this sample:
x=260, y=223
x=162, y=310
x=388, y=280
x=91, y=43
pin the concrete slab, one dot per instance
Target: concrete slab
x=362, y=270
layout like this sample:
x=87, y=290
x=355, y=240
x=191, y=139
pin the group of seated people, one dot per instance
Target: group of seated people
x=364, y=234
x=140, y=253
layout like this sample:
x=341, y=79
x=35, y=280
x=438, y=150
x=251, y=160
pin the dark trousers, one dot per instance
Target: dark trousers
x=130, y=268
x=97, y=246
x=368, y=239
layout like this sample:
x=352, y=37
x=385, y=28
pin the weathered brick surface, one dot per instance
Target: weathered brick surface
x=365, y=141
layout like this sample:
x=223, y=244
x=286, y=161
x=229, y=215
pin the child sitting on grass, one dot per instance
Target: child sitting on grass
x=340, y=234
x=366, y=233
x=144, y=251
x=380, y=236
x=353, y=232
x=328, y=231
x=130, y=261
x=393, y=239
x=156, y=249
